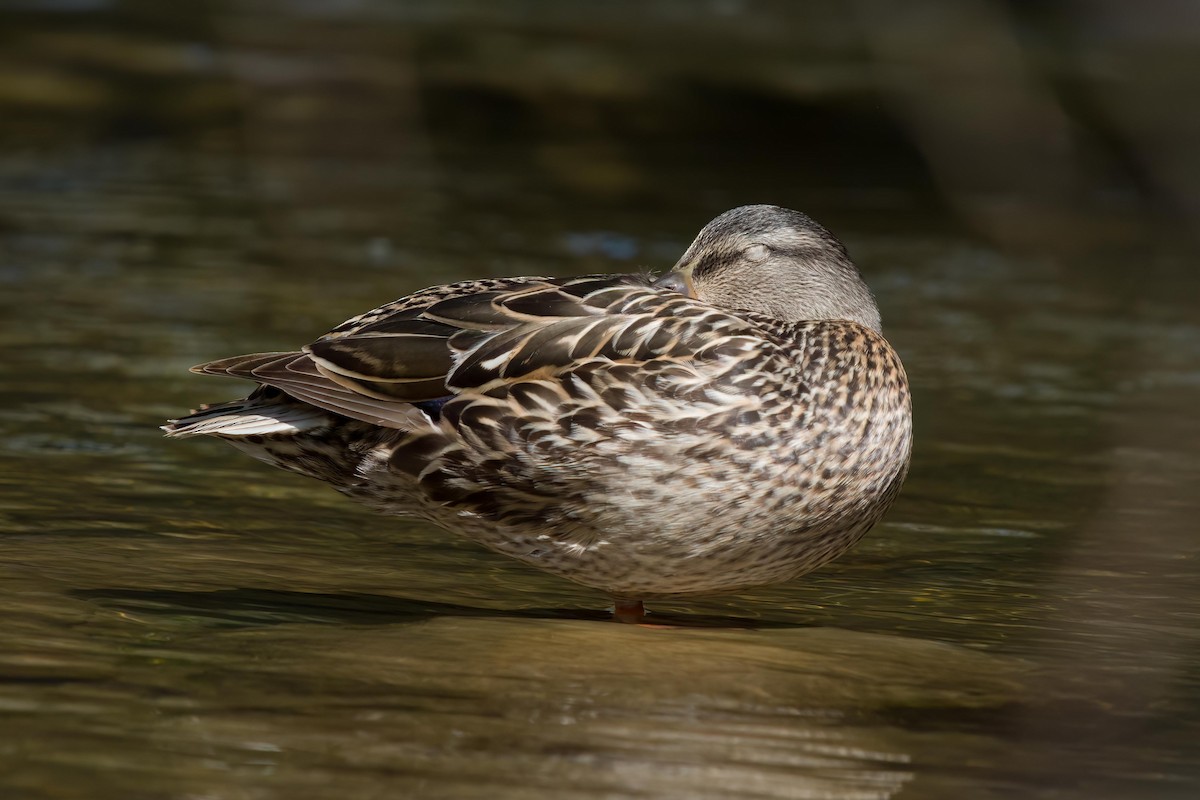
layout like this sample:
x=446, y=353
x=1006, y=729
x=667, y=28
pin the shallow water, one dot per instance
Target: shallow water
x=181, y=621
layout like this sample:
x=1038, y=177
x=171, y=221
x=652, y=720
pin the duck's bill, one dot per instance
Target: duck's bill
x=677, y=282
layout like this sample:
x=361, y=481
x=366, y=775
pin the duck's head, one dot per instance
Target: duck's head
x=774, y=261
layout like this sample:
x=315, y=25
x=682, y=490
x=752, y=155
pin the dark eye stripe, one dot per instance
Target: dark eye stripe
x=715, y=261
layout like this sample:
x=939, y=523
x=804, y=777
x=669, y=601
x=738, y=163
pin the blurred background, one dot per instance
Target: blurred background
x=347, y=131
x=1018, y=181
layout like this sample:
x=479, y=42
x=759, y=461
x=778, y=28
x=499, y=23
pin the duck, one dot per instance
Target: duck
x=738, y=421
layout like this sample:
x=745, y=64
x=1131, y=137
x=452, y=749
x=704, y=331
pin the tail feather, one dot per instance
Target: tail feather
x=295, y=372
x=253, y=416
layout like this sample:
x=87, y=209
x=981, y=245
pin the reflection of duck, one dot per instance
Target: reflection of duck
x=739, y=421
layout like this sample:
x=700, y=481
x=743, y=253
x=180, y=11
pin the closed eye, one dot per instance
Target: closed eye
x=756, y=252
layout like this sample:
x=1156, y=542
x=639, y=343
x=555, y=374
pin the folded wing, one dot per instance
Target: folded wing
x=375, y=369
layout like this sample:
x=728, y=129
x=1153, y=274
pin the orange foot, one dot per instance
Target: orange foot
x=631, y=611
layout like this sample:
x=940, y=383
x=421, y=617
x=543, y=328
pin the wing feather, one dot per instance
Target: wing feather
x=296, y=374
x=465, y=337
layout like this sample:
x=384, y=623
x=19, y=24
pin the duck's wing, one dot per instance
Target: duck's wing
x=457, y=339
x=468, y=342
x=295, y=372
x=426, y=297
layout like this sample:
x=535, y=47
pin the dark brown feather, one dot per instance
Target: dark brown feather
x=385, y=357
x=541, y=303
x=475, y=311
x=296, y=374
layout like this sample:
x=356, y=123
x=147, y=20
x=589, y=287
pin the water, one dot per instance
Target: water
x=180, y=621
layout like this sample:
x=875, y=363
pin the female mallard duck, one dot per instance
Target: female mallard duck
x=739, y=421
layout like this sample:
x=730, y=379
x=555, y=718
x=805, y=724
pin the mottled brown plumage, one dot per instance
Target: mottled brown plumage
x=739, y=422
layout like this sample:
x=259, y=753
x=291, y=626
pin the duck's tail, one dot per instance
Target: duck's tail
x=266, y=411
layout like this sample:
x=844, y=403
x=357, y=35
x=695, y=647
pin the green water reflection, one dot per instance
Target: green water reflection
x=179, y=621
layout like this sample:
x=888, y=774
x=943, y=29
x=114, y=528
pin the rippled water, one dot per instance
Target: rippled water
x=180, y=621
